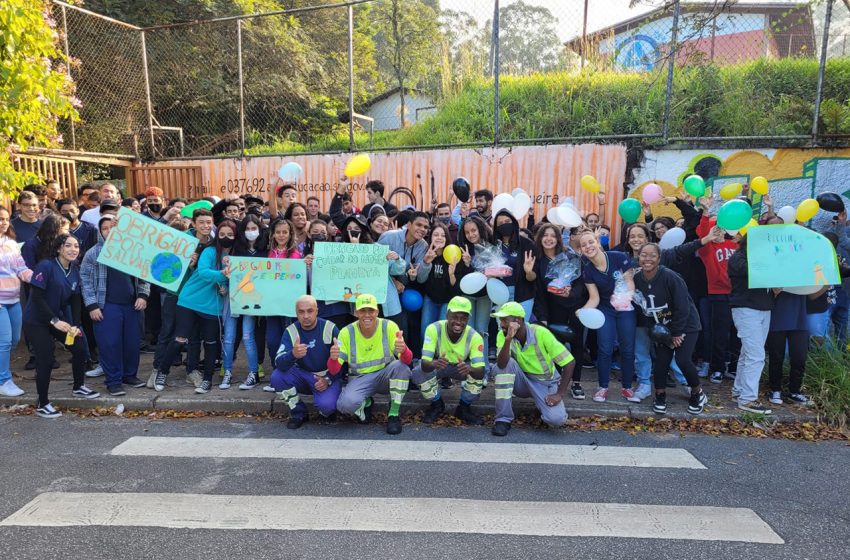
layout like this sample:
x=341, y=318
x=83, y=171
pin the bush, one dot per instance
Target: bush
x=828, y=382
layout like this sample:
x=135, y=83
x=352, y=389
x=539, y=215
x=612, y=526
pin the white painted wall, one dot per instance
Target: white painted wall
x=387, y=112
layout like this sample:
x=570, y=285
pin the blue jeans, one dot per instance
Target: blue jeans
x=839, y=313
x=10, y=334
x=118, y=340
x=619, y=328
x=431, y=312
x=231, y=327
x=527, y=305
x=479, y=319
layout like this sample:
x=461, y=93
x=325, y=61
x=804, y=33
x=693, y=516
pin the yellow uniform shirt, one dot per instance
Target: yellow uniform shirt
x=367, y=355
x=540, y=351
x=437, y=344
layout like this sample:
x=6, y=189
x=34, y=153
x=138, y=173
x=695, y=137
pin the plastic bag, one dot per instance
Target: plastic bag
x=398, y=267
x=562, y=270
x=621, y=299
x=491, y=262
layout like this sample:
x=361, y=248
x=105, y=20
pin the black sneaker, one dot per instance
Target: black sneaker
x=134, y=382
x=204, y=388
x=295, y=423
x=659, y=405
x=393, y=425
x=799, y=398
x=116, y=390
x=159, y=382
x=30, y=365
x=501, y=429
x=147, y=349
x=465, y=414
x=696, y=403
x=85, y=392
x=331, y=419
x=755, y=407
x=446, y=383
x=434, y=411
x=577, y=392
x=47, y=411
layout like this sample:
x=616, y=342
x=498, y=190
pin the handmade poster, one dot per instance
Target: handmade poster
x=267, y=287
x=789, y=256
x=342, y=271
x=148, y=249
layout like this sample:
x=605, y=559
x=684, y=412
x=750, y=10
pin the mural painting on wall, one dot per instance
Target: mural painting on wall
x=793, y=174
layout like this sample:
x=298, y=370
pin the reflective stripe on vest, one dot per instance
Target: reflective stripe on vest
x=548, y=373
x=442, y=331
x=354, y=367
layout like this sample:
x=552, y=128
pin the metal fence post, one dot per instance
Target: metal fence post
x=496, y=72
x=821, y=69
x=68, y=67
x=148, y=92
x=241, y=86
x=351, y=79
x=671, y=63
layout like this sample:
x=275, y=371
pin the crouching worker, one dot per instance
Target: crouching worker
x=526, y=360
x=452, y=350
x=301, y=365
x=378, y=362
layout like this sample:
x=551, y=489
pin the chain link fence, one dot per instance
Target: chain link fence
x=429, y=73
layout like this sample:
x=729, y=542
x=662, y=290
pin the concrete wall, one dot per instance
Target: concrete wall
x=387, y=112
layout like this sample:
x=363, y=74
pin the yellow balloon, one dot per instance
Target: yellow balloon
x=759, y=185
x=358, y=165
x=452, y=254
x=731, y=191
x=744, y=229
x=807, y=209
x=589, y=183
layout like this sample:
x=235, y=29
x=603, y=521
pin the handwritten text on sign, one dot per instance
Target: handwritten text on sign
x=790, y=256
x=341, y=271
x=266, y=287
x=148, y=249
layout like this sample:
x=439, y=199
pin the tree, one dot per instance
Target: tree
x=464, y=51
x=528, y=40
x=34, y=86
x=407, y=43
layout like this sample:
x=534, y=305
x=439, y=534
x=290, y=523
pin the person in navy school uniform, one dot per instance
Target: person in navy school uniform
x=54, y=310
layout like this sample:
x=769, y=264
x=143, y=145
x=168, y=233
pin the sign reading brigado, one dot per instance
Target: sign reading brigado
x=341, y=271
x=267, y=287
x=790, y=256
x=148, y=249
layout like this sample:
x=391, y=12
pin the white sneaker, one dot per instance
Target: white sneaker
x=642, y=392
x=775, y=397
x=226, y=380
x=195, y=378
x=702, y=371
x=96, y=372
x=9, y=389
x=269, y=389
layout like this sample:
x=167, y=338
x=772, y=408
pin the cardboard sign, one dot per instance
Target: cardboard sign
x=342, y=271
x=789, y=256
x=266, y=287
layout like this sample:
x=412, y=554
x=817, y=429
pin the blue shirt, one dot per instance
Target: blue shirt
x=605, y=280
x=24, y=231
x=318, y=341
x=789, y=313
x=59, y=288
x=119, y=287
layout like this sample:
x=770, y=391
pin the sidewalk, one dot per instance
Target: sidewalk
x=178, y=395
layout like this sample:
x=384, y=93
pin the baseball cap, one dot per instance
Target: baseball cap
x=365, y=301
x=460, y=304
x=510, y=309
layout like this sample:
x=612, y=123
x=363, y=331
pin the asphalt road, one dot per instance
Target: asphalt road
x=800, y=490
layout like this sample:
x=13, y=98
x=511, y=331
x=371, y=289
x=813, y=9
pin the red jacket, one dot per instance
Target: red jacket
x=715, y=257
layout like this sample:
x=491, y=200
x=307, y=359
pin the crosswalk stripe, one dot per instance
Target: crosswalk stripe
x=403, y=450
x=414, y=515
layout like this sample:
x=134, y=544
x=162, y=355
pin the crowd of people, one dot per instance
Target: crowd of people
x=679, y=316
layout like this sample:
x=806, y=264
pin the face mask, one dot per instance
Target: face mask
x=444, y=220
x=319, y=237
x=603, y=240
x=505, y=230
x=225, y=242
x=155, y=208
x=252, y=235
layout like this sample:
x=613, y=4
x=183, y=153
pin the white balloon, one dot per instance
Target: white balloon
x=568, y=201
x=802, y=290
x=673, y=238
x=591, y=318
x=552, y=216
x=290, y=172
x=788, y=214
x=568, y=217
x=503, y=201
x=497, y=291
x=521, y=205
x=472, y=283
x=516, y=192
x=216, y=199
x=732, y=232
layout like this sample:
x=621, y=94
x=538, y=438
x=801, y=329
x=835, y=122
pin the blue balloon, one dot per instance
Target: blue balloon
x=411, y=300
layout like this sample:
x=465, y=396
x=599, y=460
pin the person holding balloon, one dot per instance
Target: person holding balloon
x=518, y=252
x=475, y=236
x=441, y=283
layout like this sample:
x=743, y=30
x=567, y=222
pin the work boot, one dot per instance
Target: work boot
x=393, y=425
x=296, y=422
x=465, y=414
x=434, y=411
x=501, y=429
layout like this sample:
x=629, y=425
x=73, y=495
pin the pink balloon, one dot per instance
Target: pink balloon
x=652, y=193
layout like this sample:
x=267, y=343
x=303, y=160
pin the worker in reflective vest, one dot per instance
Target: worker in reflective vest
x=378, y=362
x=453, y=350
x=301, y=364
x=526, y=360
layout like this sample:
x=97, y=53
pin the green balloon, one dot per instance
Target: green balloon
x=695, y=186
x=735, y=214
x=187, y=211
x=629, y=210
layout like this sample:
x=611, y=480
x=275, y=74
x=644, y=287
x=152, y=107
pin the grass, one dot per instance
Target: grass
x=828, y=382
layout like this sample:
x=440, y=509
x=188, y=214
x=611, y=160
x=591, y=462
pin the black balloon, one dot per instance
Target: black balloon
x=830, y=202
x=660, y=334
x=563, y=333
x=460, y=187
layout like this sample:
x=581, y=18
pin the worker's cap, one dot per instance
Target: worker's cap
x=510, y=309
x=460, y=304
x=366, y=301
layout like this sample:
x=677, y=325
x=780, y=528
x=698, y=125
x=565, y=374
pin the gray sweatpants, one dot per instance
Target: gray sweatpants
x=430, y=387
x=511, y=381
x=393, y=379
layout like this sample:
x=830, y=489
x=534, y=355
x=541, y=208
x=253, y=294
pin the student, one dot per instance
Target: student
x=13, y=270
x=337, y=312
x=27, y=222
x=296, y=214
x=85, y=233
x=53, y=313
x=375, y=193
x=789, y=329
x=518, y=252
x=441, y=284
x=473, y=238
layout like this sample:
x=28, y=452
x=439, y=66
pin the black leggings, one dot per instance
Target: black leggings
x=186, y=324
x=798, y=351
x=684, y=359
x=42, y=338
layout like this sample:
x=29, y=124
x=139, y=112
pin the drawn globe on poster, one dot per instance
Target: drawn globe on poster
x=166, y=268
x=639, y=53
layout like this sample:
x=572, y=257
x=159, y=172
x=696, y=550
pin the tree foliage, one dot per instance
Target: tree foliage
x=34, y=86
